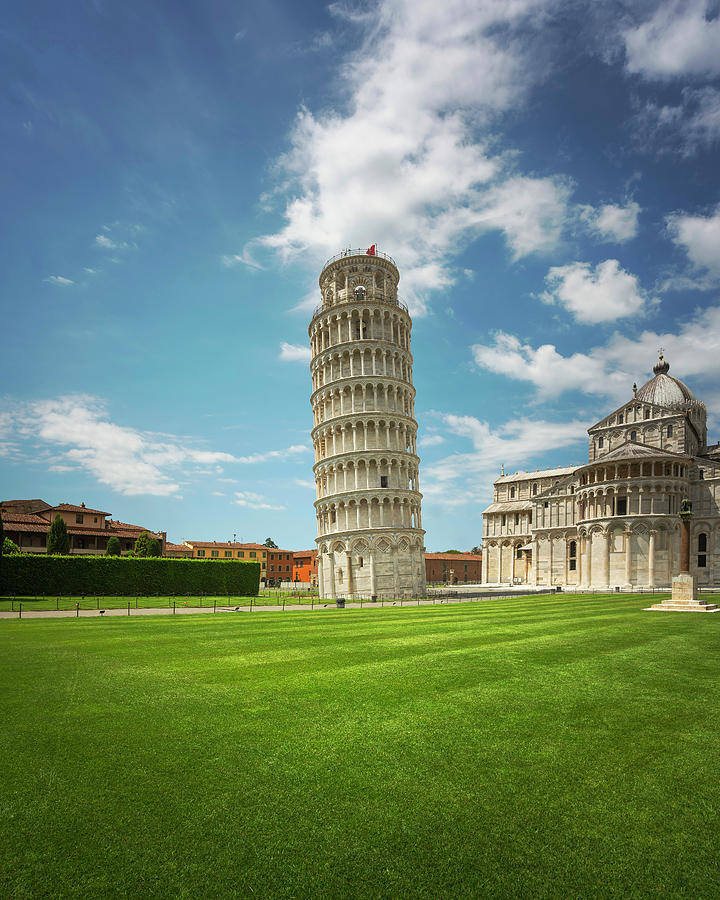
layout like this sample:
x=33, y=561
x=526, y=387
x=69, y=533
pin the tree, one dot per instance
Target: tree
x=476, y=550
x=58, y=540
x=114, y=548
x=2, y=539
x=453, y=551
x=9, y=548
x=147, y=546
x=269, y=542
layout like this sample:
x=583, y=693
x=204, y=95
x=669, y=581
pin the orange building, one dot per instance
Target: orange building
x=305, y=566
x=280, y=566
x=27, y=523
x=453, y=568
x=229, y=550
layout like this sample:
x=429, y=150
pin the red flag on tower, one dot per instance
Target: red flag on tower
x=370, y=251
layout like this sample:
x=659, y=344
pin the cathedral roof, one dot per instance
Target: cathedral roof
x=664, y=390
x=631, y=450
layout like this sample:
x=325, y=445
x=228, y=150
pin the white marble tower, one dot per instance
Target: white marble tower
x=370, y=536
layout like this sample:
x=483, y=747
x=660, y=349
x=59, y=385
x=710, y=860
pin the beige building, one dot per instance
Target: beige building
x=614, y=521
x=370, y=536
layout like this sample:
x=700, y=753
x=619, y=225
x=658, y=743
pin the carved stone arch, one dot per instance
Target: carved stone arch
x=359, y=545
x=338, y=547
x=404, y=544
x=597, y=529
x=322, y=548
x=383, y=544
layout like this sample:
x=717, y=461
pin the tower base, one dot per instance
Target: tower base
x=684, y=597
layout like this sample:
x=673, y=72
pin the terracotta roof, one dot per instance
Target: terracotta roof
x=305, y=553
x=226, y=545
x=24, y=518
x=176, y=547
x=70, y=507
x=458, y=557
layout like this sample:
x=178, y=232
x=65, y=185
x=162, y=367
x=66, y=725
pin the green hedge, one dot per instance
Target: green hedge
x=115, y=576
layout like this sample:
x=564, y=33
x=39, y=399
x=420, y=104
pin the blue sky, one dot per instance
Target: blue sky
x=175, y=174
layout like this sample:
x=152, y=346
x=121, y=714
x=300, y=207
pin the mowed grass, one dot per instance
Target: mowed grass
x=539, y=747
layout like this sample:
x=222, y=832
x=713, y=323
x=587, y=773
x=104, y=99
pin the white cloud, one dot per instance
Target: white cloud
x=679, y=39
x=405, y=163
x=611, y=222
x=699, y=236
x=79, y=433
x=609, y=370
x=467, y=477
x=431, y=440
x=688, y=127
x=58, y=279
x=90, y=271
x=301, y=482
x=245, y=258
x=603, y=295
x=293, y=450
x=253, y=501
x=106, y=243
x=294, y=353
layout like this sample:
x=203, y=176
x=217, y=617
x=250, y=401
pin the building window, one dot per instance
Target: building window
x=241, y=553
x=702, y=551
x=80, y=542
x=534, y=490
x=545, y=504
x=633, y=435
x=512, y=493
x=228, y=553
x=620, y=419
x=214, y=553
x=78, y=519
x=253, y=554
x=601, y=441
x=647, y=413
x=359, y=562
x=572, y=556
x=517, y=518
x=669, y=431
x=272, y=568
x=95, y=519
x=518, y=553
x=504, y=521
x=201, y=553
x=620, y=506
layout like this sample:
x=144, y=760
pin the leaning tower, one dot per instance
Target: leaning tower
x=370, y=536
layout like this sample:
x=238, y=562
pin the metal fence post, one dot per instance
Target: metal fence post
x=128, y=607
x=173, y=607
x=20, y=611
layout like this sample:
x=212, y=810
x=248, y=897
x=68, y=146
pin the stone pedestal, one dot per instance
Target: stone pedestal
x=684, y=597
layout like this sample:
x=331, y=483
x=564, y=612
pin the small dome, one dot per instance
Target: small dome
x=664, y=390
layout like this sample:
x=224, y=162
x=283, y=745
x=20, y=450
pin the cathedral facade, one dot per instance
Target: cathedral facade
x=614, y=521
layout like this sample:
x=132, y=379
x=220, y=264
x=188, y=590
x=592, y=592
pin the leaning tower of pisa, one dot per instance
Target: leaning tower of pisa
x=370, y=536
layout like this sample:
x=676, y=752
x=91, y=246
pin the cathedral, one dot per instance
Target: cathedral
x=613, y=523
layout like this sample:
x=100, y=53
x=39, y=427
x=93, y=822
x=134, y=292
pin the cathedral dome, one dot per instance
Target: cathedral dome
x=664, y=390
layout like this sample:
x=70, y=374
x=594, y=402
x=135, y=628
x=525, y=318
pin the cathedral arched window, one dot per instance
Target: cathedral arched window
x=669, y=431
x=572, y=556
x=601, y=441
x=512, y=493
x=702, y=551
x=633, y=435
x=534, y=489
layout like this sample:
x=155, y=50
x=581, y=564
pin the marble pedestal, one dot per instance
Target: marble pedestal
x=684, y=597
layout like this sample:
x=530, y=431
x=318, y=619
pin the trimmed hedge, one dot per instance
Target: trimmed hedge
x=116, y=576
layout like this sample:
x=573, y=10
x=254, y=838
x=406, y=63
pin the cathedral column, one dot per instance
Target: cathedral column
x=396, y=572
x=606, y=560
x=500, y=556
x=550, y=563
x=628, y=558
x=484, y=563
x=588, y=573
x=373, y=588
x=330, y=577
x=579, y=564
x=321, y=586
x=651, y=559
x=348, y=562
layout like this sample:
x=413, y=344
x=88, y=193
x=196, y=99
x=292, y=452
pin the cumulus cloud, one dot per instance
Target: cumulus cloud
x=253, y=501
x=466, y=477
x=609, y=370
x=58, y=279
x=699, y=236
x=78, y=431
x=686, y=127
x=288, y=452
x=681, y=38
x=431, y=440
x=294, y=353
x=404, y=164
x=611, y=222
x=604, y=294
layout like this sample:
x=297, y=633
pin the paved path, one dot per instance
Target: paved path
x=188, y=610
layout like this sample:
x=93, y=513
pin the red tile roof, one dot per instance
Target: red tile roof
x=70, y=507
x=458, y=557
x=226, y=545
x=24, y=518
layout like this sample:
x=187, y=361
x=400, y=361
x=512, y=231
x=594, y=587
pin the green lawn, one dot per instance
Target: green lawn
x=539, y=747
x=274, y=598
